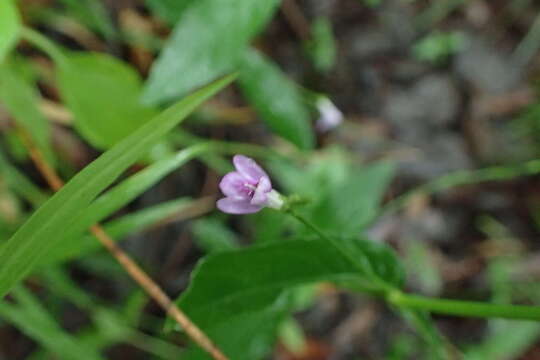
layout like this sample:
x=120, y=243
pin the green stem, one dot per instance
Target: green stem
x=312, y=227
x=44, y=44
x=464, y=177
x=464, y=308
x=380, y=287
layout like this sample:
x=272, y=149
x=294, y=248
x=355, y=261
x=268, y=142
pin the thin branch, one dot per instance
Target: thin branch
x=296, y=19
x=131, y=267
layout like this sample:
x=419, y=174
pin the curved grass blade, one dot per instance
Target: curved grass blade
x=43, y=230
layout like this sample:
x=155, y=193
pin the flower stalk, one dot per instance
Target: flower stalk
x=463, y=308
x=249, y=189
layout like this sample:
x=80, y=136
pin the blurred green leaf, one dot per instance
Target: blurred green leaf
x=135, y=185
x=344, y=196
x=437, y=346
x=438, y=46
x=269, y=225
x=403, y=347
x=209, y=41
x=33, y=319
x=77, y=245
x=506, y=344
x=420, y=263
x=352, y=203
x=42, y=231
x=213, y=236
x=20, y=99
x=322, y=45
x=93, y=14
x=292, y=336
x=505, y=340
x=252, y=280
x=169, y=10
x=10, y=24
x=103, y=94
x=118, y=197
x=110, y=325
x=20, y=183
x=276, y=98
x=371, y=3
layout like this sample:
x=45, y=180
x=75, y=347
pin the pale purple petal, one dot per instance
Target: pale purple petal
x=259, y=197
x=233, y=185
x=248, y=168
x=231, y=206
x=330, y=115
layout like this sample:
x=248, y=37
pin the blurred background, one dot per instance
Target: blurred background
x=437, y=87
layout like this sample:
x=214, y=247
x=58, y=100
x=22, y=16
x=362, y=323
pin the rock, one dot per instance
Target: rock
x=438, y=155
x=398, y=18
x=440, y=99
x=366, y=43
x=487, y=68
x=315, y=8
x=432, y=103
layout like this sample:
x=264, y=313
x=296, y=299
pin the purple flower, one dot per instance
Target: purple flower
x=330, y=115
x=248, y=189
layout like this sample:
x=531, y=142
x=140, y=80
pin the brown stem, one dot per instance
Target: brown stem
x=296, y=19
x=131, y=267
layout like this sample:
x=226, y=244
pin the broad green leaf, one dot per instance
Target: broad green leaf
x=269, y=225
x=208, y=42
x=276, y=99
x=252, y=280
x=103, y=94
x=42, y=231
x=246, y=335
x=31, y=317
x=21, y=98
x=82, y=244
x=249, y=280
x=352, y=203
x=10, y=25
x=169, y=10
x=344, y=197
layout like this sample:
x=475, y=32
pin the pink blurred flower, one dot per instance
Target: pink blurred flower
x=248, y=189
x=330, y=115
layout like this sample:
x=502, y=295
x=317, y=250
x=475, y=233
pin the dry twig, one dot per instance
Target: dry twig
x=131, y=267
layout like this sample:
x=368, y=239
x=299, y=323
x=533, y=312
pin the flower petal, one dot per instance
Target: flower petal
x=330, y=115
x=259, y=197
x=233, y=185
x=230, y=206
x=248, y=168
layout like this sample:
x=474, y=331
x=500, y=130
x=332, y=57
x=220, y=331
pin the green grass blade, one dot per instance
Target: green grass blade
x=43, y=230
x=31, y=317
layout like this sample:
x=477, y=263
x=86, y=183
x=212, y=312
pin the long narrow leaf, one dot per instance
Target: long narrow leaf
x=32, y=318
x=81, y=244
x=10, y=25
x=42, y=231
